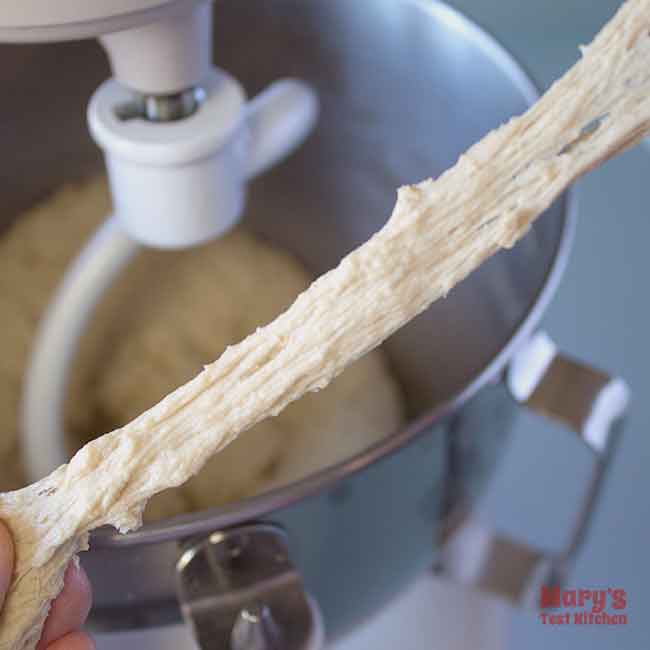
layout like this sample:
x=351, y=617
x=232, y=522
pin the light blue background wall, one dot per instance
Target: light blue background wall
x=601, y=313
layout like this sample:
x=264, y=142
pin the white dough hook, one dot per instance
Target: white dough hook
x=174, y=184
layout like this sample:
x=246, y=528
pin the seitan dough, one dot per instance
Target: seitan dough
x=438, y=233
x=167, y=315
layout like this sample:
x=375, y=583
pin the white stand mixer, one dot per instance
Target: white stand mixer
x=180, y=142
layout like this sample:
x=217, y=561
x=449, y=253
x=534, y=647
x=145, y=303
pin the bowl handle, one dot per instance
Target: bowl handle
x=592, y=404
x=238, y=591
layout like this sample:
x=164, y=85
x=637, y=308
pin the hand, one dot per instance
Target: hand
x=69, y=610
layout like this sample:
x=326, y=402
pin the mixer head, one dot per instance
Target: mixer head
x=157, y=47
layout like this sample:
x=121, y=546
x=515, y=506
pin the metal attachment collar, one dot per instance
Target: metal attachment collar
x=162, y=108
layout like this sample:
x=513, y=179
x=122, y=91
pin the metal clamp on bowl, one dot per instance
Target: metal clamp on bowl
x=589, y=402
x=238, y=590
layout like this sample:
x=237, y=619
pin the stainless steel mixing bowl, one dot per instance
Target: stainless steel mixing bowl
x=405, y=86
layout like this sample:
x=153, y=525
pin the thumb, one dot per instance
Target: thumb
x=6, y=561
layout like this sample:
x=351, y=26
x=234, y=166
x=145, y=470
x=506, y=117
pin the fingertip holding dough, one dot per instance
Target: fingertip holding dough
x=70, y=609
x=73, y=641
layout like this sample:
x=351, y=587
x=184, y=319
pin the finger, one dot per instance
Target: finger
x=6, y=561
x=73, y=641
x=70, y=610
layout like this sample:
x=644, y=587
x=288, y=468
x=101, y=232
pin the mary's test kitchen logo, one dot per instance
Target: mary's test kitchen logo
x=582, y=606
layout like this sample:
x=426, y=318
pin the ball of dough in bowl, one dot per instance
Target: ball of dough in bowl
x=165, y=317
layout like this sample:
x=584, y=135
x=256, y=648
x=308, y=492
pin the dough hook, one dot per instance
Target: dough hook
x=180, y=143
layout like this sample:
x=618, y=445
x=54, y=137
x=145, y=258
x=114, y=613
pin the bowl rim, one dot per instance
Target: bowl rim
x=251, y=508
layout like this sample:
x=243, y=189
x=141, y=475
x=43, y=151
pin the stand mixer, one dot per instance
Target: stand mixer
x=177, y=134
